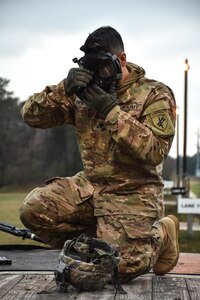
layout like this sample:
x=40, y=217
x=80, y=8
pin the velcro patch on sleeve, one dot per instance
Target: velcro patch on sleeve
x=161, y=124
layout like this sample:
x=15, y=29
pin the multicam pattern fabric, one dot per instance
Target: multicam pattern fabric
x=88, y=269
x=120, y=186
x=52, y=212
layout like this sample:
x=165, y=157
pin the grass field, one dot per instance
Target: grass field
x=9, y=213
x=9, y=206
x=195, y=187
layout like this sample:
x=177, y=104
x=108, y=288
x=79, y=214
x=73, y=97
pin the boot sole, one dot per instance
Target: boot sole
x=176, y=221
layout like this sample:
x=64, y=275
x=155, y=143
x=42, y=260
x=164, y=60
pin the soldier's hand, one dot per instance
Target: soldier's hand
x=95, y=97
x=76, y=78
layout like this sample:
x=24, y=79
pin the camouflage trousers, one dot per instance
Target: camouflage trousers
x=64, y=208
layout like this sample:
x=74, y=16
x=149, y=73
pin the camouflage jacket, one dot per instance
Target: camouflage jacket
x=124, y=150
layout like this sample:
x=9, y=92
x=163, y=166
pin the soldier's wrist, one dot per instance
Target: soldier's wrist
x=113, y=115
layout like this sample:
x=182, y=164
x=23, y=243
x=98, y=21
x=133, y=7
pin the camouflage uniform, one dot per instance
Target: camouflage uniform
x=120, y=190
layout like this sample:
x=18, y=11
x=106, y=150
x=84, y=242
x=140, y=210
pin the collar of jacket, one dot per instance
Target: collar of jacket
x=135, y=73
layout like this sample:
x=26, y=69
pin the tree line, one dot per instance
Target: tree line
x=29, y=155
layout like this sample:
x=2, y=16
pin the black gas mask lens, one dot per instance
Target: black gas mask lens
x=105, y=66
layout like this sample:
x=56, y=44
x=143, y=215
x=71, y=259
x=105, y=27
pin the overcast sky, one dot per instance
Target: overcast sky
x=39, y=38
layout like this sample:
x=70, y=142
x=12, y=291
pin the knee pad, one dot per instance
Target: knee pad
x=30, y=206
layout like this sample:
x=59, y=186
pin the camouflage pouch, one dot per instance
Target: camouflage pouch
x=88, y=264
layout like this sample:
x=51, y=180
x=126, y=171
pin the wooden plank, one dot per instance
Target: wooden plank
x=7, y=282
x=37, y=287
x=168, y=288
x=146, y=287
x=106, y=293
x=25, y=289
x=51, y=292
x=193, y=285
x=140, y=288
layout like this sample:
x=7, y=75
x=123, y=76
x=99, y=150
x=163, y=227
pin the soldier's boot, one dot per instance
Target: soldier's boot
x=168, y=232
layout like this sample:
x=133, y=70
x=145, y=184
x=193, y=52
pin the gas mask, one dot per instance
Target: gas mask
x=105, y=66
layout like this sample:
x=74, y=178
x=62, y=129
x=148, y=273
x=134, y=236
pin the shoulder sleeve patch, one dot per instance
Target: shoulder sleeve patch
x=160, y=123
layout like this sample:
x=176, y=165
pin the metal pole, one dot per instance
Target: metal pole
x=185, y=120
x=198, y=158
x=185, y=175
x=177, y=150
